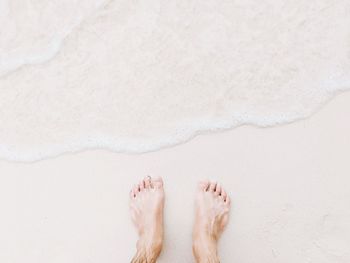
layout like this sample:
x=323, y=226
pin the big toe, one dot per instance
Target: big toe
x=203, y=186
x=157, y=183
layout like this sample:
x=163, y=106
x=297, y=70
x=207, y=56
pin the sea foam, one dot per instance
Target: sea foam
x=135, y=76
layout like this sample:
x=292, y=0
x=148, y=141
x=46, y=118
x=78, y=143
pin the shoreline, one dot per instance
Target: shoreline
x=289, y=185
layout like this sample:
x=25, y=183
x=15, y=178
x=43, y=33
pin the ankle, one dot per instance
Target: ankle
x=144, y=255
x=151, y=240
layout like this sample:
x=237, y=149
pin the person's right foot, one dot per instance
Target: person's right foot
x=212, y=214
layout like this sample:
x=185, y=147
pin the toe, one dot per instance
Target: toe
x=136, y=190
x=218, y=190
x=212, y=186
x=228, y=200
x=132, y=194
x=148, y=183
x=157, y=183
x=142, y=185
x=223, y=194
x=203, y=186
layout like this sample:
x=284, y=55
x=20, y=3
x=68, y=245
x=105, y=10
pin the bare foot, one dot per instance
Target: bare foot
x=212, y=214
x=146, y=208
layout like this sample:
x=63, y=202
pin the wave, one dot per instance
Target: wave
x=136, y=77
x=33, y=32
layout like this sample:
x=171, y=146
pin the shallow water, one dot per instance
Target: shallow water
x=137, y=76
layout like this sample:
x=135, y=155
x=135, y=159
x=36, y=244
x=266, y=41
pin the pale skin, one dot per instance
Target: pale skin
x=211, y=217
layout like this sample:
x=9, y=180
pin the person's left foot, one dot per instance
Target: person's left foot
x=146, y=208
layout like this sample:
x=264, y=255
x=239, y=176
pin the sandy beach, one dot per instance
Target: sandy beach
x=133, y=81
x=289, y=186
